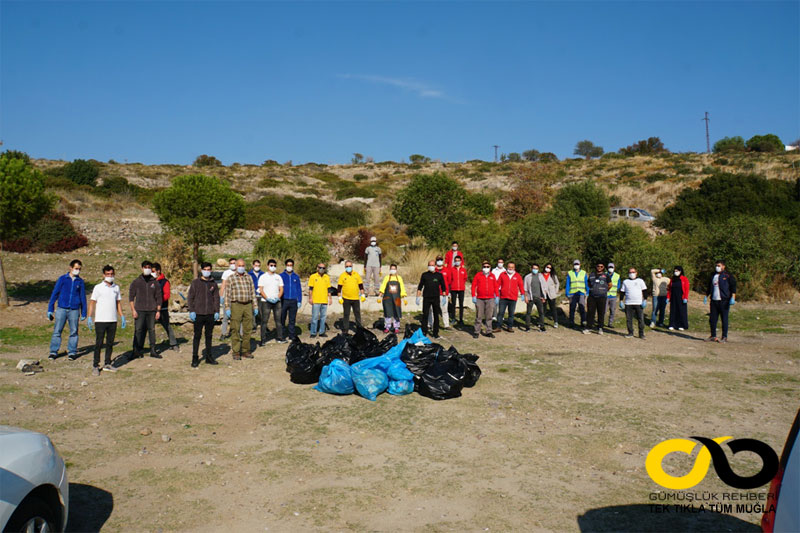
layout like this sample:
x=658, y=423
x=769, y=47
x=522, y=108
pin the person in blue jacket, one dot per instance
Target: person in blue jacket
x=722, y=290
x=292, y=297
x=70, y=293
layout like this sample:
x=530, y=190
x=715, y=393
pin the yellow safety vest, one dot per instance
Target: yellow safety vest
x=612, y=291
x=577, y=282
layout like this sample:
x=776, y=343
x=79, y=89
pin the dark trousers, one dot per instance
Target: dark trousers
x=596, y=306
x=201, y=322
x=145, y=321
x=511, y=305
x=428, y=305
x=355, y=305
x=575, y=300
x=678, y=314
x=659, y=310
x=264, y=310
x=719, y=308
x=289, y=309
x=551, y=303
x=539, y=307
x=451, y=307
x=164, y=321
x=638, y=312
x=107, y=330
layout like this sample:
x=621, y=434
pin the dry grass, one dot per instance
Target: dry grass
x=416, y=261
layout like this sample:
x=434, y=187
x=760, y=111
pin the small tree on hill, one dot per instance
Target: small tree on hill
x=357, y=158
x=201, y=209
x=729, y=144
x=588, y=149
x=207, y=161
x=82, y=172
x=765, y=143
x=23, y=201
x=16, y=154
x=530, y=155
x=418, y=158
x=514, y=157
x=431, y=205
x=652, y=145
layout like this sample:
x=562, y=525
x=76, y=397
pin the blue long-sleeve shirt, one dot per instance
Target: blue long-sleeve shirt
x=585, y=284
x=255, y=275
x=70, y=293
x=292, y=288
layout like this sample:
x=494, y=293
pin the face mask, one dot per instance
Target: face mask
x=109, y=279
x=499, y=265
x=547, y=270
x=76, y=272
x=431, y=268
x=240, y=270
x=510, y=272
x=233, y=266
x=658, y=274
x=632, y=275
x=146, y=272
x=348, y=269
x=393, y=271
x=289, y=268
x=535, y=270
x=677, y=273
x=256, y=269
x=373, y=243
x=321, y=270
x=457, y=263
x=205, y=273
x=439, y=263
x=455, y=248
x=485, y=270
x=576, y=267
x=272, y=268
x=718, y=268
x=610, y=270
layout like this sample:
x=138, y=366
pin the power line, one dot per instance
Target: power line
x=708, y=142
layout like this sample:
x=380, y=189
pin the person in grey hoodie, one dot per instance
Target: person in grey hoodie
x=534, y=295
x=550, y=288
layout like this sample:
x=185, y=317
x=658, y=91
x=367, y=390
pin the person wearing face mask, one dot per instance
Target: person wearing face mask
x=443, y=296
x=485, y=289
x=431, y=286
x=145, y=299
x=634, y=291
x=722, y=290
x=70, y=294
x=255, y=273
x=224, y=331
x=550, y=288
x=678, y=298
x=613, y=291
x=451, y=255
x=105, y=308
x=511, y=288
x=599, y=283
x=372, y=267
x=319, y=294
x=163, y=318
x=292, y=298
x=577, y=280
x=456, y=278
x=203, y=304
x=391, y=293
x=660, y=292
x=499, y=268
x=270, y=290
x=240, y=307
x=350, y=289
x=534, y=295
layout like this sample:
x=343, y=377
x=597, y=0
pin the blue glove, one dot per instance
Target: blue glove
x=685, y=301
x=705, y=300
x=733, y=300
x=83, y=318
x=474, y=300
x=228, y=313
x=124, y=323
x=299, y=303
x=417, y=300
x=50, y=315
x=255, y=311
x=644, y=304
x=621, y=305
x=192, y=316
x=496, y=300
x=90, y=323
x=221, y=300
x=216, y=317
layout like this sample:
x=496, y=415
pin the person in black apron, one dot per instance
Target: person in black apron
x=392, y=292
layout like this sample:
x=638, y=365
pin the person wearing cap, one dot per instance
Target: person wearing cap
x=350, y=289
x=634, y=291
x=577, y=281
x=484, y=291
x=660, y=293
x=678, y=298
x=451, y=255
x=722, y=290
x=456, y=278
x=392, y=292
x=613, y=291
x=599, y=283
x=164, y=312
x=372, y=267
x=550, y=288
x=443, y=296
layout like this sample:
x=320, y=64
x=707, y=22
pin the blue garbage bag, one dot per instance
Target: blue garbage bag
x=398, y=371
x=401, y=386
x=336, y=378
x=369, y=382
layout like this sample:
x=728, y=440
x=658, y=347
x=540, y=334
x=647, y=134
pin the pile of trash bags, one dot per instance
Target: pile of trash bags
x=362, y=364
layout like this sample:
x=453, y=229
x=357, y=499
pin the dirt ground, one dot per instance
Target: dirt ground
x=552, y=438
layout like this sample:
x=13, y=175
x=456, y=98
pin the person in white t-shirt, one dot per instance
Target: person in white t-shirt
x=270, y=291
x=635, y=294
x=104, y=309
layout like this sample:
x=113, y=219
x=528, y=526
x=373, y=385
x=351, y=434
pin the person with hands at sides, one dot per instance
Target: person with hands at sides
x=452, y=254
x=634, y=291
x=678, y=298
x=255, y=273
x=240, y=308
x=70, y=293
x=145, y=299
x=534, y=295
x=203, y=304
x=660, y=297
x=599, y=283
x=485, y=290
x=372, y=266
x=456, y=278
x=613, y=292
x=270, y=291
x=496, y=271
x=431, y=286
x=391, y=293
x=550, y=288
x=163, y=318
x=443, y=296
x=224, y=330
x=350, y=289
x=292, y=298
x=319, y=294
x=105, y=308
x=511, y=288
x=722, y=290
x=577, y=281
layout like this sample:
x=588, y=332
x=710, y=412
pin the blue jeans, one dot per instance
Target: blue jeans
x=62, y=317
x=318, y=314
x=511, y=305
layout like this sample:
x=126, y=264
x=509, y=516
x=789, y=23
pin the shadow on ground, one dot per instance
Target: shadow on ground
x=642, y=518
x=89, y=507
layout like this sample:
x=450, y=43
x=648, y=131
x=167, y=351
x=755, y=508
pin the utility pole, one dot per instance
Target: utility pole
x=708, y=142
x=495, y=152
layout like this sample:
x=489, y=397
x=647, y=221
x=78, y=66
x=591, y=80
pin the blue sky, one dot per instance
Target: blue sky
x=162, y=82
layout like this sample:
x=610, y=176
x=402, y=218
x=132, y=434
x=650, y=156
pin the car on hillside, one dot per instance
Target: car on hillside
x=784, y=491
x=636, y=214
x=34, y=491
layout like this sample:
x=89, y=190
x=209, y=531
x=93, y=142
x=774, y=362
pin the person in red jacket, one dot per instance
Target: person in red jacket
x=678, y=299
x=456, y=277
x=511, y=287
x=452, y=253
x=484, y=293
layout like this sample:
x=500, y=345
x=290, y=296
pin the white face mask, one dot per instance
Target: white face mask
x=547, y=270
x=658, y=274
x=256, y=269
x=632, y=275
x=272, y=268
x=439, y=262
x=576, y=267
x=146, y=272
x=373, y=243
x=499, y=265
x=610, y=270
x=455, y=248
x=76, y=272
x=233, y=266
x=240, y=270
x=289, y=268
x=431, y=268
x=486, y=270
x=109, y=279
x=677, y=273
x=392, y=271
x=718, y=268
x=510, y=272
x=205, y=273
x=457, y=263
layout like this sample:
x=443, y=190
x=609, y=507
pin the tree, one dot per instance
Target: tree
x=357, y=158
x=418, y=158
x=201, y=209
x=588, y=149
x=82, y=172
x=23, y=201
x=548, y=157
x=514, y=157
x=207, y=161
x=431, y=205
x=765, y=143
x=652, y=145
x=16, y=154
x=530, y=155
x=583, y=199
x=729, y=144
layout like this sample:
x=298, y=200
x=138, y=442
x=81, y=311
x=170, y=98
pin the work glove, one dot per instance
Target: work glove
x=228, y=313
x=363, y=298
x=705, y=300
x=378, y=299
x=341, y=300
x=622, y=305
x=644, y=304
x=444, y=301
x=192, y=316
x=90, y=323
x=405, y=302
x=474, y=300
x=83, y=318
x=50, y=316
x=733, y=300
x=255, y=311
x=299, y=303
x=496, y=300
x=216, y=317
x=221, y=300
x=124, y=322
x=417, y=300
x=685, y=301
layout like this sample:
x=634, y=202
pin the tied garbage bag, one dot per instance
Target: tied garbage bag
x=364, y=344
x=370, y=382
x=301, y=362
x=398, y=371
x=442, y=380
x=336, y=378
x=401, y=387
x=419, y=358
x=472, y=372
x=378, y=324
x=335, y=348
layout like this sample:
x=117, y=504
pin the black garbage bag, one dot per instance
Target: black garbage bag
x=336, y=348
x=419, y=358
x=473, y=371
x=442, y=380
x=378, y=324
x=410, y=330
x=301, y=362
x=363, y=344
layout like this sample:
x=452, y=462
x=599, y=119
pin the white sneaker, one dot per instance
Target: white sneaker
x=600, y=331
x=586, y=332
x=109, y=368
x=96, y=371
x=680, y=329
x=671, y=328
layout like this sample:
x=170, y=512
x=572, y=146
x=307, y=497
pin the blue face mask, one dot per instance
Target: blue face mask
x=535, y=270
x=348, y=269
x=205, y=273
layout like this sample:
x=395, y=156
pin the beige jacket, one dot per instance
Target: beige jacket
x=659, y=284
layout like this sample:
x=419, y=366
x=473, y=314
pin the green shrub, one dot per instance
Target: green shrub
x=418, y=158
x=765, y=143
x=272, y=245
x=548, y=157
x=273, y=210
x=656, y=176
x=729, y=144
x=351, y=190
x=545, y=237
x=431, y=205
x=207, y=161
x=53, y=233
x=306, y=247
x=79, y=171
x=481, y=241
x=583, y=199
x=479, y=204
x=360, y=177
x=652, y=145
x=16, y=154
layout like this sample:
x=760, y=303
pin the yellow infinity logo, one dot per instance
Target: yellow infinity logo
x=654, y=460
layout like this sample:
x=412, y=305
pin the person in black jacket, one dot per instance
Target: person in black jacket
x=203, y=311
x=145, y=298
x=431, y=285
x=722, y=290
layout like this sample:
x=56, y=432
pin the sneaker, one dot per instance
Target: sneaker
x=156, y=355
x=555, y=325
x=629, y=336
x=282, y=341
x=175, y=348
x=680, y=329
x=109, y=368
x=490, y=335
x=723, y=339
x=52, y=356
x=325, y=334
x=600, y=331
x=711, y=339
x=313, y=335
x=386, y=330
x=72, y=357
x=397, y=331
x=642, y=336
x=671, y=328
x=542, y=329
x=586, y=332
x=96, y=371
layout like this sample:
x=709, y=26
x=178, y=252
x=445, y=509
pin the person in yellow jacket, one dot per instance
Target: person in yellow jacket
x=613, y=294
x=391, y=292
x=577, y=281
